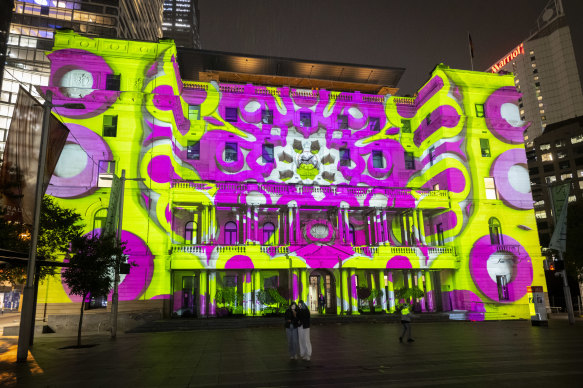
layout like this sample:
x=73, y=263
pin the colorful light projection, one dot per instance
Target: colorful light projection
x=371, y=189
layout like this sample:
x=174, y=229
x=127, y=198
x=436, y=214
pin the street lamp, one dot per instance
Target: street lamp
x=28, y=300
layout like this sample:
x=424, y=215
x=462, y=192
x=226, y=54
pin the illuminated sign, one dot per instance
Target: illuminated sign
x=504, y=61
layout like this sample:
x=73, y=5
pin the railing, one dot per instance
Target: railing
x=441, y=250
x=405, y=100
x=514, y=249
x=373, y=98
x=195, y=85
x=272, y=250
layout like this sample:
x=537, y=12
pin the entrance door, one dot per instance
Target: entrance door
x=189, y=296
x=322, y=283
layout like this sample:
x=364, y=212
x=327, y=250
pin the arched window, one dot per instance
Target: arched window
x=495, y=231
x=351, y=235
x=231, y=233
x=99, y=219
x=268, y=231
x=190, y=230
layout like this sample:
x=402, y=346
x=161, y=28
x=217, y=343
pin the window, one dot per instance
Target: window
x=190, y=232
x=485, y=147
x=431, y=157
x=342, y=122
x=495, y=231
x=572, y=198
x=564, y=165
x=109, y=126
x=580, y=185
x=268, y=231
x=439, y=232
x=533, y=171
x=537, y=84
x=436, y=187
x=99, y=219
x=576, y=139
x=566, y=176
x=377, y=159
x=479, y=110
x=266, y=116
x=428, y=119
x=106, y=167
x=539, y=203
x=548, y=157
x=550, y=179
x=406, y=126
x=112, y=82
x=351, y=235
x=231, y=233
x=231, y=114
x=409, y=161
x=44, y=10
x=194, y=112
x=267, y=153
x=561, y=155
x=579, y=173
x=535, y=71
x=540, y=214
x=344, y=157
x=544, y=147
x=374, y=124
x=490, y=188
x=193, y=150
x=548, y=168
x=502, y=282
x=305, y=119
x=230, y=152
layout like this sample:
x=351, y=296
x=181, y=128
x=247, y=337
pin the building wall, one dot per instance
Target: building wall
x=425, y=220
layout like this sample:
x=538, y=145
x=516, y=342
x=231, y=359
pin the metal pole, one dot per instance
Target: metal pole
x=114, y=297
x=567, y=293
x=28, y=300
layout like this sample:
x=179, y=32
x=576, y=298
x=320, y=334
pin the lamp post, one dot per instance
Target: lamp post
x=28, y=301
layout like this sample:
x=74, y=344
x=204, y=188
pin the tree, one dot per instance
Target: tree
x=91, y=266
x=574, y=255
x=58, y=227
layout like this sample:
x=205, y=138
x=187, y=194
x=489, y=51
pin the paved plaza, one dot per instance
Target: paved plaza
x=501, y=354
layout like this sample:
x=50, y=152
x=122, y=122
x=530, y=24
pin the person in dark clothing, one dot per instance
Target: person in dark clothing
x=291, y=328
x=405, y=311
x=304, y=332
x=321, y=304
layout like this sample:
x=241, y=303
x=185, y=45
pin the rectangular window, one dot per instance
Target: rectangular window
x=548, y=157
x=342, y=122
x=490, y=188
x=406, y=126
x=377, y=159
x=560, y=143
x=193, y=150
x=106, y=167
x=485, y=147
x=502, y=282
x=436, y=187
x=550, y=179
x=267, y=153
x=112, y=82
x=561, y=155
x=540, y=214
x=564, y=165
x=572, y=198
x=479, y=110
x=549, y=168
x=230, y=152
x=231, y=114
x=576, y=139
x=194, y=112
x=44, y=10
x=409, y=161
x=544, y=147
x=305, y=119
x=266, y=116
x=344, y=157
x=109, y=126
x=439, y=232
x=428, y=119
x=431, y=157
x=374, y=124
x=566, y=176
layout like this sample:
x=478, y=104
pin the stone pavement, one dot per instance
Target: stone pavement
x=504, y=354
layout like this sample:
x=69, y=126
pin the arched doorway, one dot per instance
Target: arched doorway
x=321, y=282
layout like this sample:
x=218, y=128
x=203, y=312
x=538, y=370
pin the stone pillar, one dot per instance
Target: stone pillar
x=247, y=297
x=257, y=286
x=409, y=276
x=370, y=241
x=353, y=294
x=421, y=227
x=298, y=225
x=290, y=226
x=403, y=222
x=385, y=227
x=417, y=227
x=420, y=285
x=213, y=223
x=249, y=221
x=345, y=291
x=377, y=224
x=391, y=292
x=212, y=293
x=429, y=292
x=295, y=285
x=238, y=217
x=340, y=224
x=374, y=286
x=202, y=294
x=383, y=288
x=347, y=227
x=305, y=286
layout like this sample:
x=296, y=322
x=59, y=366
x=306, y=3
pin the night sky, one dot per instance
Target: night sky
x=412, y=34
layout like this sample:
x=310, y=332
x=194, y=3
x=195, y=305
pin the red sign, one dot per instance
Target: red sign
x=504, y=61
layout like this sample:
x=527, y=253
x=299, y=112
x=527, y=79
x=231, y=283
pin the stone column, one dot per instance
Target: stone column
x=247, y=298
x=403, y=222
x=429, y=292
x=385, y=227
x=212, y=293
x=290, y=226
x=295, y=285
x=377, y=222
x=374, y=286
x=353, y=294
x=278, y=232
x=383, y=288
x=256, y=223
x=305, y=285
x=345, y=291
x=238, y=217
x=370, y=240
x=248, y=230
x=257, y=286
x=421, y=227
x=298, y=225
x=346, y=227
x=420, y=285
x=202, y=293
x=340, y=226
x=391, y=292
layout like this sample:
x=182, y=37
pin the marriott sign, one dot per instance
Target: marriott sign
x=505, y=60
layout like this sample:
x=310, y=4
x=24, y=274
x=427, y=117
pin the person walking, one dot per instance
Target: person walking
x=405, y=321
x=304, y=332
x=321, y=304
x=291, y=328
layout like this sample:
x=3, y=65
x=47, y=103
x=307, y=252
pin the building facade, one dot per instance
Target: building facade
x=545, y=72
x=255, y=190
x=32, y=29
x=181, y=22
x=556, y=156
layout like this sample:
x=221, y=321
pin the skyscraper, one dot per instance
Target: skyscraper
x=181, y=22
x=545, y=72
x=31, y=33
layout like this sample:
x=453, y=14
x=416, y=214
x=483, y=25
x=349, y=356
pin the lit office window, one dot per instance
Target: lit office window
x=544, y=147
x=548, y=157
x=490, y=187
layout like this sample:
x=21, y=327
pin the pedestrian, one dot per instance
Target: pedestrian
x=405, y=310
x=321, y=303
x=304, y=332
x=291, y=328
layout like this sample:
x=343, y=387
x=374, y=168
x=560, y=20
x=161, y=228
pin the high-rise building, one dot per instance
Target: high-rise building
x=181, y=22
x=31, y=34
x=254, y=180
x=545, y=72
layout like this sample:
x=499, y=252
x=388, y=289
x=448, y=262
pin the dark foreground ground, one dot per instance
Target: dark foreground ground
x=487, y=354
